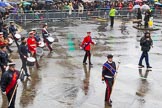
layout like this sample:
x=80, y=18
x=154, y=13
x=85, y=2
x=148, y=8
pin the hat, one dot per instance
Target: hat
x=109, y=56
x=11, y=64
x=11, y=21
x=88, y=32
x=1, y=33
x=31, y=32
x=33, y=29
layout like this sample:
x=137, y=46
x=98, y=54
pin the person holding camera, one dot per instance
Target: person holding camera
x=145, y=43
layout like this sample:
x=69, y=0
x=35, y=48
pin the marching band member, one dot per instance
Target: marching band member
x=108, y=73
x=23, y=51
x=5, y=35
x=12, y=30
x=4, y=59
x=32, y=45
x=45, y=35
x=86, y=45
x=10, y=78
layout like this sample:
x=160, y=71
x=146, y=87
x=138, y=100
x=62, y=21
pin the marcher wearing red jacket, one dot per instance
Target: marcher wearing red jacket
x=86, y=45
x=32, y=45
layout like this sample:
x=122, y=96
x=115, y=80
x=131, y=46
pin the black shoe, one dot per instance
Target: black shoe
x=109, y=104
x=149, y=67
x=110, y=101
x=84, y=63
x=141, y=66
x=90, y=64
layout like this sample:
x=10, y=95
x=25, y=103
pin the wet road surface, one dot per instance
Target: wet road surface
x=63, y=82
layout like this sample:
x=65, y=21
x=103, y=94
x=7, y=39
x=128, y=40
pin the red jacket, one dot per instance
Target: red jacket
x=86, y=44
x=32, y=44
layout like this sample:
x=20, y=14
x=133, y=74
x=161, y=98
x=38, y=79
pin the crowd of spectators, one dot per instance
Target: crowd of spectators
x=76, y=5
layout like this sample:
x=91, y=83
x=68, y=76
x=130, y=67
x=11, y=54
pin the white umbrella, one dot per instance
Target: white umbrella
x=157, y=3
x=136, y=6
x=145, y=7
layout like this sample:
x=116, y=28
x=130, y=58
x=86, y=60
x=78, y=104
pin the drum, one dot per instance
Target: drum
x=10, y=41
x=30, y=61
x=41, y=44
x=50, y=39
x=17, y=36
x=39, y=51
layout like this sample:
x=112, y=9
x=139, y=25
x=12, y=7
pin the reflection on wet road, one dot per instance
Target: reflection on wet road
x=63, y=82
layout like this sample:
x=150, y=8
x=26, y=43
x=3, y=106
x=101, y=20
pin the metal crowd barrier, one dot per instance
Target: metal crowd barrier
x=63, y=15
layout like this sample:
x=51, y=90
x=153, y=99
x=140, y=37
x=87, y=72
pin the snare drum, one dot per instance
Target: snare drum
x=39, y=51
x=10, y=41
x=41, y=44
x=17, y=36
x=30, y=61
x=50, y=39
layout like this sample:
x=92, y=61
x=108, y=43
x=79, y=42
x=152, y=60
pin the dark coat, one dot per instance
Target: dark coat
x=7, y=78
x=146, y=44
x=23, y=50
x=4, y=59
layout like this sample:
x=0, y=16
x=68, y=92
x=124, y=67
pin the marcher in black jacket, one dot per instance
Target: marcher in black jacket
x=146, y=43
x=4, y=59
x=108, y=73
x=8, y=84
x=5, y=35
x=23, y=51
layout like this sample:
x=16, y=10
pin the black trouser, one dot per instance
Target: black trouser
x=9, y=95
x=24, y=67
x=15, y=40
x=112, y=21
x=8, y=48
x=109, y=84
x=3, y=69
x=146, y=24
x=87, y=54
x=48, y=45
x=146, y=56
x=36, y=60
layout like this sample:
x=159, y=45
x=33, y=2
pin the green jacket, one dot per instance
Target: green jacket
x=112, y=12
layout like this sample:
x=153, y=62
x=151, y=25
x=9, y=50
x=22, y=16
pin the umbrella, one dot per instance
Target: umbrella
x=145, y=7
x=138, y=1
x=2, y=9
x=157, y=3
x=136, y=6
x=26, y=3
x=3, y=4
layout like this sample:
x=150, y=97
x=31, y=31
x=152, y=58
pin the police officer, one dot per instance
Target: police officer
x=4, y=59
x=146, y=43
x=86, y=45
x=8, y=83
x=23, y=51
x=108, y=73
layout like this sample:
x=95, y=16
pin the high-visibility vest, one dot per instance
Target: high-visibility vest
x=112, y=12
